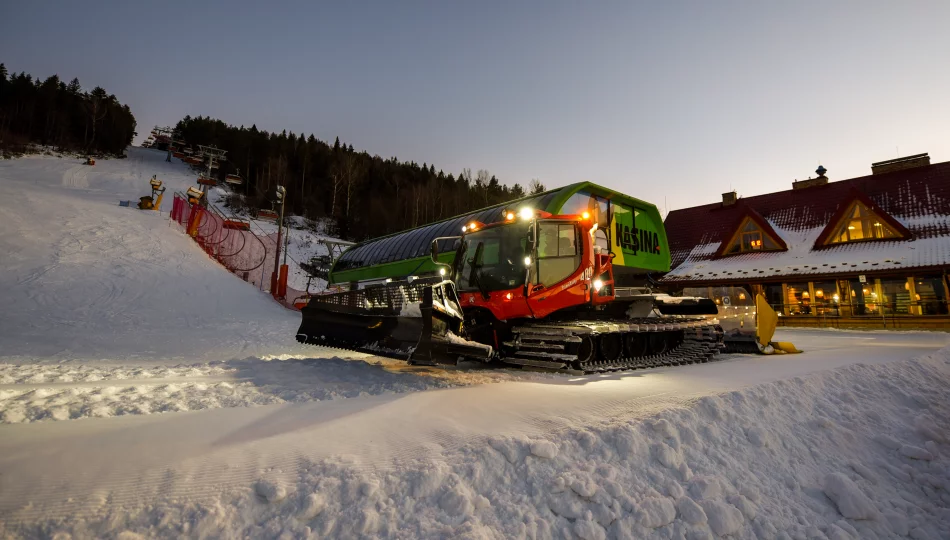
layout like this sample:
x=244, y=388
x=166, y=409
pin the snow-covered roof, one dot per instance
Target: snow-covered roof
x=918, y=199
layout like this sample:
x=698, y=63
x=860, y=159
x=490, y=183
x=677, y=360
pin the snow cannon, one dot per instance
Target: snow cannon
x=419, y=321
x=153, y=201
x=194, y=195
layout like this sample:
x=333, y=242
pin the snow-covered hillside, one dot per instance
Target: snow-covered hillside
x=85, y=278
x=146, y=392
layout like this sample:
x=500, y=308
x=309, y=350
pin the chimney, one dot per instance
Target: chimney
x=899, y=164
x=819, y=181
x=729, y=199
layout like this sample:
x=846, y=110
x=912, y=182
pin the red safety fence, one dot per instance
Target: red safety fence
x=231, y=242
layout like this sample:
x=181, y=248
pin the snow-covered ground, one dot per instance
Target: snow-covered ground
x=145, y=392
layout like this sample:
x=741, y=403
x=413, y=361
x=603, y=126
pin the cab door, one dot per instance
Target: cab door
x=554, y=280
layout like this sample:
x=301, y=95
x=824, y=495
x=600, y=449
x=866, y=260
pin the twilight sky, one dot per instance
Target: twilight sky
x=673, y=102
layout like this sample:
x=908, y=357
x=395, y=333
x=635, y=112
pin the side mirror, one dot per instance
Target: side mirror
x=531, y=240
x=434, y=251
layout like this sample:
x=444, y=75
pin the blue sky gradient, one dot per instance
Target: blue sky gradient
x=672, y=102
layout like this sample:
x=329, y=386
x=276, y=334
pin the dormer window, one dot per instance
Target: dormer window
x=862, y=223
x=751, y=237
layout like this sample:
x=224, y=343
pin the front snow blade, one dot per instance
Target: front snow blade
x=440, y=342
x=416, y=322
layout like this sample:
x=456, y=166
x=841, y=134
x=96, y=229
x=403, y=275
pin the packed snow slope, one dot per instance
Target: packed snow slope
x=83, y=278
x=145, y=391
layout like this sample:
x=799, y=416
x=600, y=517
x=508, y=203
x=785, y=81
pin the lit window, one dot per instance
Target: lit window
x=862, y=223
x=751, y=237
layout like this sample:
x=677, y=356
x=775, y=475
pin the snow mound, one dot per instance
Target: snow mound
x=656, y=512
x=813, y=481
x=849, y=499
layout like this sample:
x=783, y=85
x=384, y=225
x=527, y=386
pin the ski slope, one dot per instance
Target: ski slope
x=145, y=391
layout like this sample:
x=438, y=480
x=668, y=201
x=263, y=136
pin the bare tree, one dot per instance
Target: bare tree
x=535, y=187
x=346, y=174
x=354, y=175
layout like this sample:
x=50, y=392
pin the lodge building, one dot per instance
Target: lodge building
x=868, y=252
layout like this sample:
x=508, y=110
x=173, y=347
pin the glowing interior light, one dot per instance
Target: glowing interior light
x=586, y=215
x=527, y=261
x=441, y=271
x=836, y=298
x=598, y=284
x=526, y=213
x=851, y=227
x=510, y=216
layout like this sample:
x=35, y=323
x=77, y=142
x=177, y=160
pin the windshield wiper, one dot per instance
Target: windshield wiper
x=474, y=277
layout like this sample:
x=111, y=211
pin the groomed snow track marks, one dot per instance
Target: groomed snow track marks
x=77, y=177
x=70, y=391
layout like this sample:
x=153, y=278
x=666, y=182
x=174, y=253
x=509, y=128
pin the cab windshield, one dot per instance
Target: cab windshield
x=500, y=253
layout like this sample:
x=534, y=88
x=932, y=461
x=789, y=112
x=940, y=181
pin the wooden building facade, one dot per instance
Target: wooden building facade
x=869, y=252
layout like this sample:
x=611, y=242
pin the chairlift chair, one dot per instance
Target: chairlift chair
x=237, y=224
x=267, y=215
